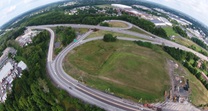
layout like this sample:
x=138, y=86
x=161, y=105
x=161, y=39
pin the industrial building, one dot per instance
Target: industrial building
x=5, y=71
x=158, y=22
x=7, y=75
x=4, y=57
x=26, y=39
x=161, y=21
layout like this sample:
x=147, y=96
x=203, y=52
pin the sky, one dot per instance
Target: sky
x=197, y=9
x=9, y=9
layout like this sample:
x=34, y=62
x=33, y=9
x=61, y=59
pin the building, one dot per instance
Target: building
x=181, y=21
x=5, y=71
x=26, y=39
x=7, y=76
x=165, y=21
x=161, y=21
x=22, y=65
x=4, y=57
x=158, y=22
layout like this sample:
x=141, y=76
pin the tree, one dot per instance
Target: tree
x=180, y=31
x=109, y=38
x=105, y=24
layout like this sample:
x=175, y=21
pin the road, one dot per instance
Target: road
x=79, y=90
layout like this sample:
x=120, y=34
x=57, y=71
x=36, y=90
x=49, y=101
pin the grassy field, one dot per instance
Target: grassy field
x=102, y=33
x=117, y=24
x=170, y=31
x=134, y=29
x=183, y=41
x=122, y=68
x=81, y=30
x=188, y=43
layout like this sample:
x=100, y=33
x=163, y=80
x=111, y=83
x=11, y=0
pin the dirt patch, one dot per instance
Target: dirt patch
x=112, y=80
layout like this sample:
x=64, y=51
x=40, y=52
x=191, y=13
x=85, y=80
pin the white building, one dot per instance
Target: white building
x=161, y=21
x=158, y=22
x=3, y=98
x=22, y=65
x=165, y=21
x=5, y=71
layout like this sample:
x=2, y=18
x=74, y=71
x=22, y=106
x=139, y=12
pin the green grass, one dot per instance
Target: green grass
x=134, y=29
x=188, y=43
x=128, y=70
x=102, y=33
x=117, y=24
x=199, y=93
x=81, y=30
x=170, y=31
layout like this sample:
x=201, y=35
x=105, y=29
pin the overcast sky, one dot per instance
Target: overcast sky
x=12, y=8
x=197, y=9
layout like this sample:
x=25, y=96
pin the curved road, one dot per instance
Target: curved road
x=98, y=98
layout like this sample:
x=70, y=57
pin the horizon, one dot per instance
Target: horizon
x=10, y=9
x=193, y=8
x=13, y=8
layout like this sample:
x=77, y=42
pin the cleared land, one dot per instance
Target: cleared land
x=122, y=68
x=117, y=24
x=199, y=94
x=102, y=33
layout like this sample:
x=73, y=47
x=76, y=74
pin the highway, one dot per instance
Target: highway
x=79, y=90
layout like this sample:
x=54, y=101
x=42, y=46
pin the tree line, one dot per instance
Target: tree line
x=180, y=31
x=199, y=42
x=185, y=58
x=94, y=19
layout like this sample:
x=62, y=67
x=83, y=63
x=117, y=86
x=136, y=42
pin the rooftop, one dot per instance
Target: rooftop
x=5, y=70
x=156, y=21
x=22, y=65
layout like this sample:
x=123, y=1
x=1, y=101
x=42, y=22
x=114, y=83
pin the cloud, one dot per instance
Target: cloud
x=10, y=9
x=29, y=1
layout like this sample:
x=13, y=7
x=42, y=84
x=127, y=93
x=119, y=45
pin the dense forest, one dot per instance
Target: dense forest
x=67, y=34
x=34, y=91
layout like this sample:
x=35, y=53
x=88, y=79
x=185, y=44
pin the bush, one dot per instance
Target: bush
x=104, y=24
x=178, y=30
x=109, y=38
